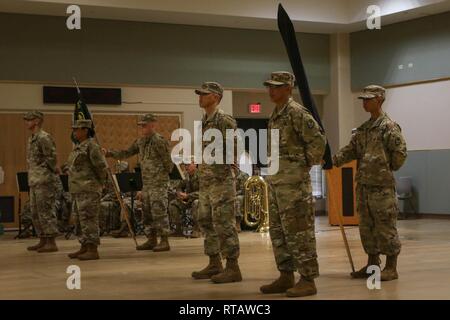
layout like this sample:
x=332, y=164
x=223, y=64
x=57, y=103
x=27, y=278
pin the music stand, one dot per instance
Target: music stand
x=22, y=186
x=130, y=182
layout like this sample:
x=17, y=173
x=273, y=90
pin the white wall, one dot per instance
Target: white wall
x=338, y=115
x=22, y=97
x=422, y=110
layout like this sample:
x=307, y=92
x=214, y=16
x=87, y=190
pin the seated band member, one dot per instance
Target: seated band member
x=187, y=198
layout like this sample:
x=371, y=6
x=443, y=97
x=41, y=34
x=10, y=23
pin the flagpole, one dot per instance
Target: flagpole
x=111, y=179
x=333, y=204
x=287, y=31
x=76, y=85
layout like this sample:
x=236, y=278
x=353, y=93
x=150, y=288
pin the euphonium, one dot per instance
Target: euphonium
x=256, y=203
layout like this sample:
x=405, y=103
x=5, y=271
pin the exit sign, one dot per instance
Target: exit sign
x=254, y=107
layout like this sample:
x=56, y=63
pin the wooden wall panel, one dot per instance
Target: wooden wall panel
x=116, y=131
x=166, y=125
x=335, y=203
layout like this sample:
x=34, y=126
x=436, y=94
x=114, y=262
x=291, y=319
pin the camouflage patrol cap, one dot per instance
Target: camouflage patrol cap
x=372, y=91
x=146, y=118
x=280, y=78
x=210, y=87
x=83, y=123
x=33, y=115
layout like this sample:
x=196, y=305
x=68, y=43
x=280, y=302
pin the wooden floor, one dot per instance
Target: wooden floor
x=124, y=273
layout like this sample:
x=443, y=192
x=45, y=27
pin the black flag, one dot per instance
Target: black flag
x=290, y=41
x=81, y=112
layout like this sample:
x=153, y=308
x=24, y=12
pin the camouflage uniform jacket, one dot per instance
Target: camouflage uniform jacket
x=41, y=158
x=87, y=168
x=301, y=145
x=154, y=158
x=379, y=148
x=221, y=121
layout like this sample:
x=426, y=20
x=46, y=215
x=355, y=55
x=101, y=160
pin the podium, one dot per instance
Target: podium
x=342, y=195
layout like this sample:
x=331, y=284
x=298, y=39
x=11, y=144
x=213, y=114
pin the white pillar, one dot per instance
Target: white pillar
x=338, y=108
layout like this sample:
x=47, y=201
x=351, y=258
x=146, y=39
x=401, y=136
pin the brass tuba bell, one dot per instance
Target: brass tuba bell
x=256, y=203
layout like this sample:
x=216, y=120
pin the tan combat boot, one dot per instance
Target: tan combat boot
x=232, y=273
x=280, y=285
x=163, y=245
x=150, y=243
x=390, y=270
x=90, y=254
x=49, y=246
x=42, y=241
x=303, y=288
x=74, y=255
x=214, y=267
x=373, y=259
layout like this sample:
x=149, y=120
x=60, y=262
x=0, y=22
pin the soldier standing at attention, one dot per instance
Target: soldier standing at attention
x=291, y=212
x=380, y=149
x=217, y=195
x=87, y=175
x=156, y=164
x=41, y=158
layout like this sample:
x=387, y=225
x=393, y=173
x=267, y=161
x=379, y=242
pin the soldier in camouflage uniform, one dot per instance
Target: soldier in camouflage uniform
x=41, y=158
x=186, y=198
x=217, y=195
x=379, y=148
x=291, y=213
x=87, y=175
x=156, y=164
x=240, y=193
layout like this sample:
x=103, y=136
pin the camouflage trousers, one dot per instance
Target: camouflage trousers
x=378, y=211
x=177, y=208
x=86, y=208
x=291, y=223
x=42, y=205
x=217, y=218
x=155, y=202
